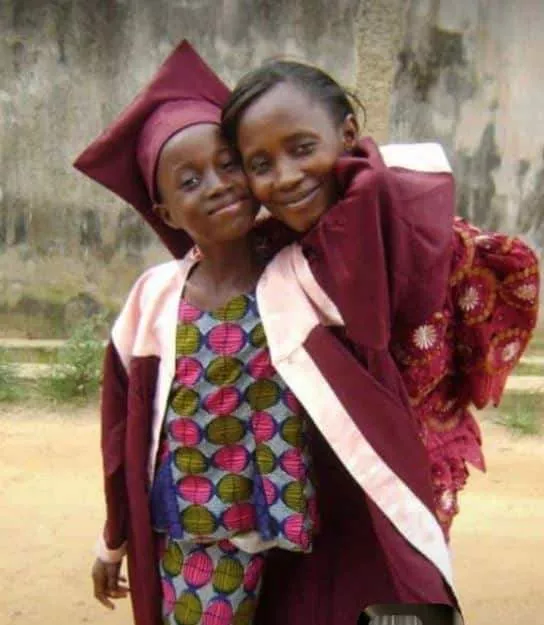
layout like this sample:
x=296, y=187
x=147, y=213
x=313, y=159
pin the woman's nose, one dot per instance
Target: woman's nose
x=288, y=175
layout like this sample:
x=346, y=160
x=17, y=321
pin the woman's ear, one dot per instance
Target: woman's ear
x=350, y=132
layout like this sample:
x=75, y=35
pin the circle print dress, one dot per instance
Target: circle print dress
x=233, y=460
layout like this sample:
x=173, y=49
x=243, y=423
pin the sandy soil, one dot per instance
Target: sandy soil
x=51, y=510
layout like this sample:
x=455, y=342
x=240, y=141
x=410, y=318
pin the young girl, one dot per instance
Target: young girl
x=205, y=447
x=203, y=443
x=458, y=310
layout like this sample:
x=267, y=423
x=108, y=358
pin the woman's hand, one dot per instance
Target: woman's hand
x=106, y=577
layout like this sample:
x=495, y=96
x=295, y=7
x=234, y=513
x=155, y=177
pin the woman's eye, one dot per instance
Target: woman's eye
x=303, y=149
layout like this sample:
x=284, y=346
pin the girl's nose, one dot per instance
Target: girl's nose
x=217, y=183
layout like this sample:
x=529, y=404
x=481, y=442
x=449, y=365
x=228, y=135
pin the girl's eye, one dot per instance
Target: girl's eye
x=259, y=166
x=229, y=165
x=303, y=149
x=189, y=182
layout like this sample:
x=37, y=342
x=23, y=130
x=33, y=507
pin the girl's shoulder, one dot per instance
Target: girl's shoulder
x=152, y=294
x=154, y=283
x=159, y=277
x=159, y=274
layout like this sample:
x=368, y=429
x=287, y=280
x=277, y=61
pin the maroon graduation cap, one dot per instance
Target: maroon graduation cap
x=183, y=92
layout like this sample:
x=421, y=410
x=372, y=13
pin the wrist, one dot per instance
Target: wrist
x=107, y=555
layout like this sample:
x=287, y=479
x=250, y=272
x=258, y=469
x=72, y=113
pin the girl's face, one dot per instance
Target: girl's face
x=202, y=187
x=289, y=146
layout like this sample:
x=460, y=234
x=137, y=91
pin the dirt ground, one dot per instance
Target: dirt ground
x=51, y=510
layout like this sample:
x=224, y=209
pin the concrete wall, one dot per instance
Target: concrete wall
x=470, y=74
x=67, y=67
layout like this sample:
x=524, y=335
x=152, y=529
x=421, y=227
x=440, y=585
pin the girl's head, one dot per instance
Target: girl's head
x=199, y=186
x=290, y=123
x=165, y=155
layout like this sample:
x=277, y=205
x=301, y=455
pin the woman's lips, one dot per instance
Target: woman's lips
x=301, y=202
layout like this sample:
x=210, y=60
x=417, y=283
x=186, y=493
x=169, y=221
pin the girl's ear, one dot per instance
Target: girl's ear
x=350, y=132
x=162, y=211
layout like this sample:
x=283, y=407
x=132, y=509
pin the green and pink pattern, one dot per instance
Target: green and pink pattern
x=234, y=455
x=209, y=584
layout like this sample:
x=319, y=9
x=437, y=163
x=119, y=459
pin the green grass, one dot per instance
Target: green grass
x=10, y=387
x=34, y=355
x=77, y=374
x=522, y=413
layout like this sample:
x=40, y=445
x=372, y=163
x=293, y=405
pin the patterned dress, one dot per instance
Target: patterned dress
x=233, y=460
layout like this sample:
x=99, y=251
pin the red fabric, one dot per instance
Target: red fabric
x=127, y=409
x=183, y=92
x=381, y=411
x=398, y=266
x=144, y=579
x=472, y=343
x=349, y=569
x=113, y=430
x=383, y=250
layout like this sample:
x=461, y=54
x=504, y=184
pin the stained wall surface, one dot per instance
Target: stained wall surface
x=470, y=74
x=67, y=67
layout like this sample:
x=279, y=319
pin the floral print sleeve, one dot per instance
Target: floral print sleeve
x=464, y=353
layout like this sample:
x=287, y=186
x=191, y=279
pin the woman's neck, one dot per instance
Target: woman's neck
x=226, y=270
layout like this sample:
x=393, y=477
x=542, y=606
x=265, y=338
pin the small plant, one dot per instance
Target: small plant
x=78, y=371
x=10, y=389
x=522, y=413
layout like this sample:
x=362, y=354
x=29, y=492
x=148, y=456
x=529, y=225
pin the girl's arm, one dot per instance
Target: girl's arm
x=111, y=544
x=108, y=583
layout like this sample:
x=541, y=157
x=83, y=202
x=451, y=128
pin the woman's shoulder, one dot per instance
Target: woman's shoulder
x=418, y=157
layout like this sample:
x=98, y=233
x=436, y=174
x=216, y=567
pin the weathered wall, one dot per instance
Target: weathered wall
x=66, y=69
x=470, y=74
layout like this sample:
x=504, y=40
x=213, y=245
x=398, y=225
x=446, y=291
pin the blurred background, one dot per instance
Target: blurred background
x=466, y=73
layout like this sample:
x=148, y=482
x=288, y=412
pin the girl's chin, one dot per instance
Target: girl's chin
x=241, y=229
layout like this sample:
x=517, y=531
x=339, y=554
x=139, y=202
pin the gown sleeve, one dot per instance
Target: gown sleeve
x=382, y=252
x=111, y=543
x=454, y=305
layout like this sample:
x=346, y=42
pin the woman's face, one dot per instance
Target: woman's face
x=289, y=146
x=202, y=187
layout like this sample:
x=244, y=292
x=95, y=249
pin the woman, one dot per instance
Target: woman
x=459, y=306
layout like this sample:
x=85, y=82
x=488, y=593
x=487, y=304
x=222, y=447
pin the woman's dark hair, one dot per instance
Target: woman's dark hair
x=317, y=84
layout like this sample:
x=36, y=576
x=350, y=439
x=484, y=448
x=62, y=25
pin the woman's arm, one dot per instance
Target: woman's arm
x=382, y=252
